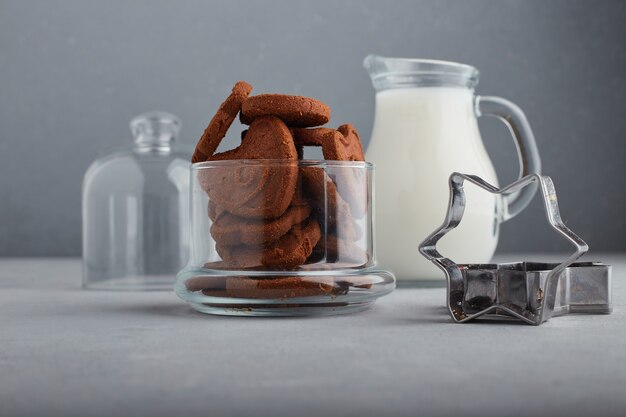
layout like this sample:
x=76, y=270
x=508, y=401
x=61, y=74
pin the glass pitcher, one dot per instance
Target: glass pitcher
x=425, y=128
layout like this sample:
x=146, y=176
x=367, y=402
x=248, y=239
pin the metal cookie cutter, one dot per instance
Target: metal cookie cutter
x=528, y=291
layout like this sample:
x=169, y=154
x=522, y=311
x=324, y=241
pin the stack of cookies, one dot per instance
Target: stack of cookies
x=270, y=212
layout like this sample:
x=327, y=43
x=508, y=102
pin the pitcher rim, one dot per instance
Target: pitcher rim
x=455, y=72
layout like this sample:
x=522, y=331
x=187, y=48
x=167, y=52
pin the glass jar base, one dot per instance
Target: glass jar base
x=284, y=293
x=281, y=310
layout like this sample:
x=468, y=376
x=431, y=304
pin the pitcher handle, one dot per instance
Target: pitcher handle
x=529, y=160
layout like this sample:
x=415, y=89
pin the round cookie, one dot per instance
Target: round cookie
x=298, y=203
x=267, y=138
x=352, y=185
x=348, y=147
x=255, y=190
x=229, y=229
x=312, y=137
x=283, y=287
x=342, y=144
x=299, y=148
x=215, y=212
x=334, y=250
x=331, y=207
x=202, y=282
x=221, y=121
x=288, y=252
x=295, y=111
x=298, y=198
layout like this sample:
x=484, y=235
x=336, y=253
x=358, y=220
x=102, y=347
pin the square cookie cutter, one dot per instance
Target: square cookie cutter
x=528, y=291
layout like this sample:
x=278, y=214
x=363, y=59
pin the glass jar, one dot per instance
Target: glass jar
x=136, y=208
x=282, y=238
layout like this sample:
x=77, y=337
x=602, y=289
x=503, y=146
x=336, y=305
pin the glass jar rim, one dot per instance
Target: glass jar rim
x=315, y=163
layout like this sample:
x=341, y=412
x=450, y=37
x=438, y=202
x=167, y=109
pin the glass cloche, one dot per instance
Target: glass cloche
x=135, y=210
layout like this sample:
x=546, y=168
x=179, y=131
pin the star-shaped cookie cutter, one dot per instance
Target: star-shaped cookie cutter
x=528, y=291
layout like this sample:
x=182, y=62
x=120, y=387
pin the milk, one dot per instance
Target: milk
x=420, y=136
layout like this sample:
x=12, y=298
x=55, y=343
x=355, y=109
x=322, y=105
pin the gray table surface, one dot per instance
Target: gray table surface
x=69, y=352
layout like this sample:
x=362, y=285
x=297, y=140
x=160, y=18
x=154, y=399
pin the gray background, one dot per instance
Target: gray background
x=73, y=73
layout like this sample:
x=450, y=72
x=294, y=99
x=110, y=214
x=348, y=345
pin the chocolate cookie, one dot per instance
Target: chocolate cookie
x=199, y=283
x=283, y=287
x=352, y=185
x=348, y=147
x=342, y=144
x=229, y=229
x=215, y=212
x=289, y=251
x=334, y=250
x=312, y=137
x=295, y=111
x=298, y=200
x=329, y=204
x=221, y=121
x=255, y=190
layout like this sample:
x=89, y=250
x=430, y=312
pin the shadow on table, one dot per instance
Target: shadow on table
x=414, y=316
x=420, y=315
x=174, y=309
x=441, y=315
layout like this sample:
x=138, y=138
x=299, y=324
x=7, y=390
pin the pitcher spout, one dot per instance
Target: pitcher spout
x=377, y=67
x=371, y=63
